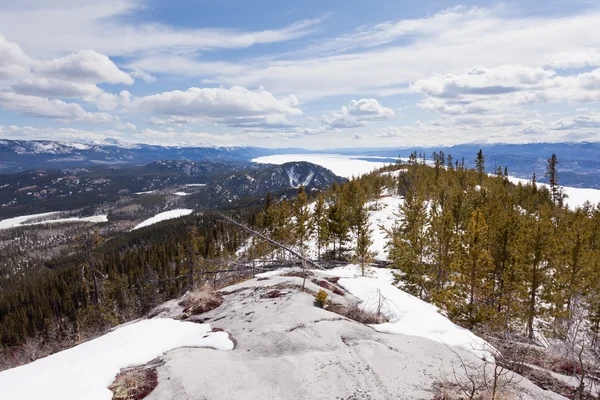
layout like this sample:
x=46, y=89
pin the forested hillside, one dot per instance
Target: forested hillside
x=493, y=255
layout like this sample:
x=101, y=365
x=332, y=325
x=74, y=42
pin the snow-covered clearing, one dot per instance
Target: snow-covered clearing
x=19, y=221
x=148, y=192
x=181, y=194
x=163, y=217
x=384, y=216
x=407, y=314
x=93, y=219
x=341, y=165
x=195, y=185
x=86, y=371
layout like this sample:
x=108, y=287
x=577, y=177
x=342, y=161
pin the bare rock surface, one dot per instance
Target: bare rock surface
x=287, y=348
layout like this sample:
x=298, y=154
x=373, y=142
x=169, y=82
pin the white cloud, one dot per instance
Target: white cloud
x=53, y=108
x=33, y=85
x=85, y=66
x=236, y=106
x=65, y=26
x=13, y=61
x=448, y=42
x=587, y=121
x=573, y=59
x=139, y=74
x=499, y=97
x=357, y=114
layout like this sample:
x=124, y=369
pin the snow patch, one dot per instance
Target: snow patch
x=407, y=314
x=163, y=217
x=20, y=221
x=92, y=219
x=86, y=371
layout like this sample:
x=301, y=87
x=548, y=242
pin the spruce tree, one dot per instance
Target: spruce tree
x=552, y=175
x=480, y=166
x=474, y=268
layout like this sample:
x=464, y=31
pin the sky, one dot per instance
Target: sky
x=311, y=74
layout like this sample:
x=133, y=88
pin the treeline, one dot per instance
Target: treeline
x=496, y=255
x=107, y=282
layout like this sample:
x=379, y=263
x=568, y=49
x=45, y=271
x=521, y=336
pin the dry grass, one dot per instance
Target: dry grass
x=134, y=384
x=201, y=300
x=356, y=313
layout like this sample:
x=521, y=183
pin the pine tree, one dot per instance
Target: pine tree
x=408, y=243
x=474, y=268
x=552, y=175
x=363, y=239
x=302, y=226
x=319, y=223
x=480, y=166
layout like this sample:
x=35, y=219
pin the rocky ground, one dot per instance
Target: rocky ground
x=288, y=348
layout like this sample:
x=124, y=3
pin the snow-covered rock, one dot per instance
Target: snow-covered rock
x=86, y=371
x=287, y=348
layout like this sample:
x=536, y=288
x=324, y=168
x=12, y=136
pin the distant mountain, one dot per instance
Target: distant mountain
x=579, y=164
x=20, y=155
x=277, y=179
x=214, y=184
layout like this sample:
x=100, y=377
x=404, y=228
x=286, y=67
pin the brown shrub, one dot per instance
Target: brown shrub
x=358, y=314
x=201, y=300
x=328, y=286
x=134, y=384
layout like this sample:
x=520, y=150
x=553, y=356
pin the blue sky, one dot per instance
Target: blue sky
x=313, y=74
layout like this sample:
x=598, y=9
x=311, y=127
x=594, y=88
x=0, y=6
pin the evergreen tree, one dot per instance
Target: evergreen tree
x=363, y=239
x=552, y=175
x=480, y=166
x=319, y=223
x=408, y=243
x=474, y=268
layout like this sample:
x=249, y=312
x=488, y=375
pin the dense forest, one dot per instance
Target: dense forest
x=106, y=282
x=491, y=254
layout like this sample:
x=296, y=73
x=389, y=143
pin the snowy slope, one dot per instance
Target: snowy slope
x=92, y=219
x=407, y=314
x=85, y=371
x=19, y=221
x=163, y=217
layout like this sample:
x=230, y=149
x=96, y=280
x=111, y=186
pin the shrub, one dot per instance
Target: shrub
x=134, y=384
x=321, y=298
x=358, y=314
x=201, y=300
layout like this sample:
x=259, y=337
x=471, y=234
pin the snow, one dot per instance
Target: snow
x=20, y=221
x=294, y=178
x=163, y=217
x=341, y=165
x=407, y=314
x=576, y=196
x=92, y=219
x=196, y=184
x=86, y=371
x=385, y=216
x=181, y=194
x=148, y=192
